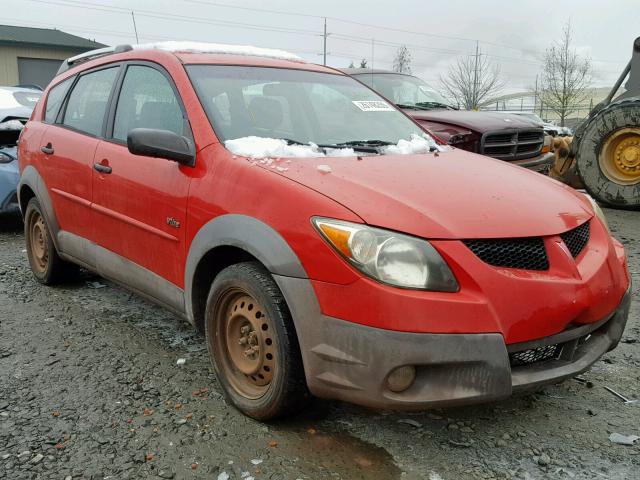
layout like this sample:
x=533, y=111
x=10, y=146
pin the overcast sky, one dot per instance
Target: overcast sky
x=513, y=34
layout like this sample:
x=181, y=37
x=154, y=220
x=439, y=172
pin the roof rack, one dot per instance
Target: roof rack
x=90, y=55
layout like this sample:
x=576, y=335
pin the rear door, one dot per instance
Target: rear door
x=69, y=144
x=140, y=202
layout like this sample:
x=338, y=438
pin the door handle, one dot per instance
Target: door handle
x=48, y=149
x=102, y=168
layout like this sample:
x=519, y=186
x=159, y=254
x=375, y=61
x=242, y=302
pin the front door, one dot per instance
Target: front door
x=139, y=203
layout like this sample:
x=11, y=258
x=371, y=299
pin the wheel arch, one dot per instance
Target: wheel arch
x=32, y=185
x=227, y=240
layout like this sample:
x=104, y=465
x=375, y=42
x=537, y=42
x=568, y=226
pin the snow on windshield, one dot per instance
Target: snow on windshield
x=260, y=147
x=417, y=144
x=220, y=48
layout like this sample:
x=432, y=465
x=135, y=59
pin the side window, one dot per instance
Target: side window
x=87, y=103
x=147, y=100
x=55, y=98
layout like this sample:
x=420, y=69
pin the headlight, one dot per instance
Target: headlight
x=389, y=257
x=5, y=158
x=598, y=211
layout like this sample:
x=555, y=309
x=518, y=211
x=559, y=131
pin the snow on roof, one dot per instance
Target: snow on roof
x=219, y=48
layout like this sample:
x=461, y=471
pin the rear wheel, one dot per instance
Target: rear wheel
x=47, y=266
x=253, y=344
x=608, y=156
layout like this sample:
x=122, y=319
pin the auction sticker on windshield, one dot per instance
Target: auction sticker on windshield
x=373, y=106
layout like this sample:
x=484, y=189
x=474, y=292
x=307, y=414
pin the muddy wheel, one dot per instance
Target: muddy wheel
x=608, y=156
x=47, y=267
x=253, y=344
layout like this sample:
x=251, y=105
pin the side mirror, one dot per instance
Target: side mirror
x=161, y=144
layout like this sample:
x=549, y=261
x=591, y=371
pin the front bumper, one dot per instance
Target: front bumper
x=9, y=177
x=352, y=362
x=10, y=204
x=541, y=163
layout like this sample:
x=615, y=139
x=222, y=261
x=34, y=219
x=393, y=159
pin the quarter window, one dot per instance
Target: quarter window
x=55, y=98
x=147, y=100
x=88, y=101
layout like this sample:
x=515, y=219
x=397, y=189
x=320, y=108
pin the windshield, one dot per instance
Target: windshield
x=404, y=89
x=296, y=105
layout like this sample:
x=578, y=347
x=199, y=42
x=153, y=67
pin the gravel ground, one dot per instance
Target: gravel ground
x=90, y=388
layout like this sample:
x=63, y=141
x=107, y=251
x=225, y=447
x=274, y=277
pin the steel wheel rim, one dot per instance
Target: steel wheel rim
x=620, y=157
x=38, y=242
x=244, y=344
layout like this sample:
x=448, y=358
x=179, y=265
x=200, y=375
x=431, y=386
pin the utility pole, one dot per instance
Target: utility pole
x=324, y=53
x=475, y=80
x=535, y=96
x=135, y=29
x=372, y=50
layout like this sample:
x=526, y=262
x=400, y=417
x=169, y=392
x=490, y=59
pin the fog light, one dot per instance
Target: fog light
x=401, y=378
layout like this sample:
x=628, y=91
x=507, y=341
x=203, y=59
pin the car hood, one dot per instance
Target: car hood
x=477, y=121
x=453, y=194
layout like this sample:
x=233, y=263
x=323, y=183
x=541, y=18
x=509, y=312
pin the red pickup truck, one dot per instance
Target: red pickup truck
x=512, y=138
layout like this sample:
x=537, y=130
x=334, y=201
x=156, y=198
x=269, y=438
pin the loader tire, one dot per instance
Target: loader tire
x=608, y=155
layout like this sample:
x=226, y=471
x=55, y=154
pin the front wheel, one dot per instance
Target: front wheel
x=253, y=344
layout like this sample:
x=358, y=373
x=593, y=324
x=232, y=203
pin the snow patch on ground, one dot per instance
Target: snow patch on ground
x=417, y=144
x=11, y=125
x=219, y=48
x=259, y=147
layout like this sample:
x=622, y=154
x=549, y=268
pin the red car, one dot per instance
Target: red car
x=323, y=243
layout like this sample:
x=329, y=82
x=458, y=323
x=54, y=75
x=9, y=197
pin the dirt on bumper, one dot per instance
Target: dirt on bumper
x=352, y=362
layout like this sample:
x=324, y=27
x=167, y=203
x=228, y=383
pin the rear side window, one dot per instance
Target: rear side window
x=55, y=99
x=147, y=100
x=88, y=100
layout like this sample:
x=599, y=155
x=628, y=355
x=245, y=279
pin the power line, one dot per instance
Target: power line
x=178, y=17
x=377, y=27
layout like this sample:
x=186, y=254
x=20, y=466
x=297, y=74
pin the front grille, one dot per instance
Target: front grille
x=524, y=253
x=577, y=239
x=512, y=144
x=540, y=354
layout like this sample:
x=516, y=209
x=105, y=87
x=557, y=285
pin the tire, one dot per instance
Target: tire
x=253, y=344
x=47, y=266
x=594, y=156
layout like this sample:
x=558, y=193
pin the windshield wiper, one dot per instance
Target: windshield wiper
x=376, y=143
x=435, y=105
x=369, y=146
x=409, y=107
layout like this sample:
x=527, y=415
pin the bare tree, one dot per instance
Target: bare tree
x=565, y=76
x=351, y=65
x=472, y=80
x=363, y=63
x=402, y=62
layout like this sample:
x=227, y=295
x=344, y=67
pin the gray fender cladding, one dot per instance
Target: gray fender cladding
x=249, y=234
x=623, y=114
x=31, y=178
